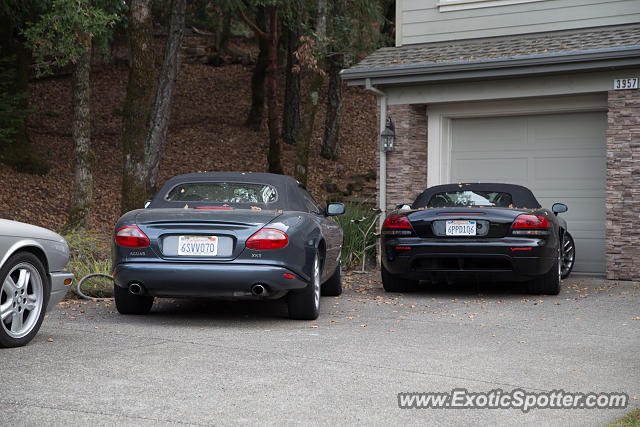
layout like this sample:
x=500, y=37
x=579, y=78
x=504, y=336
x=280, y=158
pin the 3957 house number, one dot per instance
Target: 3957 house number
x=621, y=84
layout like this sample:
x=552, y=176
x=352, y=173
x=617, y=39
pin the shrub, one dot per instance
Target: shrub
x=90, y=253
x=357, y=217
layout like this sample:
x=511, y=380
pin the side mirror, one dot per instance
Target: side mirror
x=334, y=209
x=147, y=203
x=403, y=207
x=559, y=208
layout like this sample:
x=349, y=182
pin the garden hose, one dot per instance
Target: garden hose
x=88, y=276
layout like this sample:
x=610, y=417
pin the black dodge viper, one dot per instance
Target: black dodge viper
x=496, y=232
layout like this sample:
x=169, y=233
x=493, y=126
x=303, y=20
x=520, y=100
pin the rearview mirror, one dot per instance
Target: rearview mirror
x=334, y=209
x=559, y=208
x=147, y=203
x=403, y=207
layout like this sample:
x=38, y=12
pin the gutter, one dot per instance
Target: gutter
x=585, y=60
x=382, y=99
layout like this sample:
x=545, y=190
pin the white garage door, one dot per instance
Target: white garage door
x=560, y=157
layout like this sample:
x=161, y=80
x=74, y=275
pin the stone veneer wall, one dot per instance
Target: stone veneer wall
x=407, y=163
x=623, y=186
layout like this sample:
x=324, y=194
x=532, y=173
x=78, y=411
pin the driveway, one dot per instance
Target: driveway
x=223, y=363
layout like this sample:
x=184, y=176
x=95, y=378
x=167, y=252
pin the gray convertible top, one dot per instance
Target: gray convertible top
x=522, y=197
x=289, y=197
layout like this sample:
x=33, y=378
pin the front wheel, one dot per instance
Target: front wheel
x=333, y=286
x=305, y=305
x=568, y=254
x=24, y=294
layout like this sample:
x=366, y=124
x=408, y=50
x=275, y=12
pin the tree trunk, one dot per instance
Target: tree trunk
x=256, y=113
x=273, y=157
x=291, y=114
x=138, y=104
x=159, y=120
x=225, y=35
x=305, y=133
x=335, y=62
x=78, y=217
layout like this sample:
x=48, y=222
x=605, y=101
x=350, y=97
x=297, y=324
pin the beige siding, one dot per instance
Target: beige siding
x=421, y=21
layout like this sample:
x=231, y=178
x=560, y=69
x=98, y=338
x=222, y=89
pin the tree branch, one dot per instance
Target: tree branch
x=253, y=26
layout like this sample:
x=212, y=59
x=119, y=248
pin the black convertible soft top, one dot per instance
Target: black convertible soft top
x=289, y=197
x=522, y=197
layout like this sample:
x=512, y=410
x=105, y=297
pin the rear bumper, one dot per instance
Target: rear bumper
x=58, y=288
x=507, y=259
x=205, y=280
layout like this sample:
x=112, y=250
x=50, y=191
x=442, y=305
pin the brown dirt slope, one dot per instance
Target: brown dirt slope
x=206, y=132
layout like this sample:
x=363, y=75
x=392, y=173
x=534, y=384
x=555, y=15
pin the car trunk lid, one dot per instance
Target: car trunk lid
x=490, y=222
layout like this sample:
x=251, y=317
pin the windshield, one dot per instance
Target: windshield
x=223, y=192
x=470, y=198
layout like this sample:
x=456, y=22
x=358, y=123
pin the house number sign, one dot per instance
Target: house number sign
x=621, y=84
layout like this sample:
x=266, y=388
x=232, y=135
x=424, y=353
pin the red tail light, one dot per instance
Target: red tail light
x=398, y=225
x=268, y=238
x=530, y=225
x=397, y=221
x=131, y=237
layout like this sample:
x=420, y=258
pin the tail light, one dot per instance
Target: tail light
x=268, y=238
x=131, y=237
x=530, y=225
x=397, y=224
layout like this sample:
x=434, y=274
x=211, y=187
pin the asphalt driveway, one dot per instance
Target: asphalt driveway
x=230, y=363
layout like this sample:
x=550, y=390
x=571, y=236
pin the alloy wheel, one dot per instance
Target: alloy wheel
x=568, y=254
x=21, y=300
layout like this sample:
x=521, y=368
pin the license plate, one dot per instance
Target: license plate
x=198, y=245
x=461, y=228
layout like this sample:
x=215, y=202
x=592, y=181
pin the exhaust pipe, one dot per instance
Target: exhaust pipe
x=136, y=288
x=258, y=290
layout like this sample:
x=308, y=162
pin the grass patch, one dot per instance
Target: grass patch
x=90, y=252
x=632, y=419
x=362, y=216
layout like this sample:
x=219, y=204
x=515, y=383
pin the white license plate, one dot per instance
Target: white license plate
x=198, y=245
x=459, y=227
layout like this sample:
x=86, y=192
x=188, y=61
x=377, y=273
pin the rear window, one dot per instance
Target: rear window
x=470, y=198
x=223, y=192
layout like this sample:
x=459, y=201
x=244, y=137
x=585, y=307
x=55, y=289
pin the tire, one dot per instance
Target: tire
x=305, y=304
x=128, y=303
x=333, y=286
x=548, y=284
x=393, y=283
x=568, y=255
x=24, y=295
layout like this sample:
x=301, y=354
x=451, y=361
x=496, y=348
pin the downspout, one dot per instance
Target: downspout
x=382, y=99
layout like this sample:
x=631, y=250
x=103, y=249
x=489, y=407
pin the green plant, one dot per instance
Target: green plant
x=357, y=217
x=632, y=419
x=90, y=253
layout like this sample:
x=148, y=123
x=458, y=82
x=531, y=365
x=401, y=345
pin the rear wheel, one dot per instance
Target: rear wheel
x=333, y=286
x=305, y=305
x=128, y=303
x=548, y=284
x=568, y=254
x=393, y=283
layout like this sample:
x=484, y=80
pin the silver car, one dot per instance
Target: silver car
x=32, y=279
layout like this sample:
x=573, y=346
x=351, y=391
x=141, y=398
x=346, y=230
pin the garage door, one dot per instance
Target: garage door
x=561, y=157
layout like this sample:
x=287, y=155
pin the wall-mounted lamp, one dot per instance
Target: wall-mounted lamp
x=388, y=136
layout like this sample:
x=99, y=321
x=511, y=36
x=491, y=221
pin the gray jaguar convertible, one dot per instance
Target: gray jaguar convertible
x=229, y=234
x=33, y=275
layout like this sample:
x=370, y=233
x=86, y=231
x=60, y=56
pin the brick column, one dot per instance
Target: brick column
x=623, y=186
x=407, y=163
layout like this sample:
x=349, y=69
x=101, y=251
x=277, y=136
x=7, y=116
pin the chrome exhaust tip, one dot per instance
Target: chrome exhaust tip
x=258, y=290
x=136, y=288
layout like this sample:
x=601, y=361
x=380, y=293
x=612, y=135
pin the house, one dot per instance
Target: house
x=542, y=93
